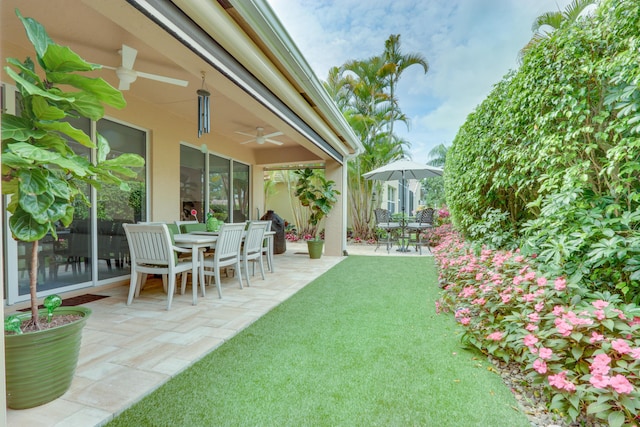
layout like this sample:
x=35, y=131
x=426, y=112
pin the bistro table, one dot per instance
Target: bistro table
x=404, y=238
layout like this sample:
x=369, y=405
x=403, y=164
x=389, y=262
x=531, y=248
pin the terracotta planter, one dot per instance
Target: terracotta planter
x=40, y=365
x=315, y=248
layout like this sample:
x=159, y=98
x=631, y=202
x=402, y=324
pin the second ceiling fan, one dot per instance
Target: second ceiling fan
x=260, y=138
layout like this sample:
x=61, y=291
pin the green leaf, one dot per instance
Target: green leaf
x=32, y=152
x=98, y=88
x=36, y=34
x=44, y=111
x=25, y=228
x=103, y=148
x=26, y=69
x=33, y=181
x=18, y=128
x=32, y=89
x=67, y=129
x=62, y=59
x=615, y=419
x=596, y=407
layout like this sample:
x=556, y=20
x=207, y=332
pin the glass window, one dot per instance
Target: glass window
x=391, y=199
x=240, y=192
x=192, y=172
x=219, y=175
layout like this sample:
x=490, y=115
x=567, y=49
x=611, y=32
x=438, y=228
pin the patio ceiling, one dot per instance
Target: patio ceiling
x=96, y=30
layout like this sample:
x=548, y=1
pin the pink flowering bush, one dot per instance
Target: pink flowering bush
x=584, y=348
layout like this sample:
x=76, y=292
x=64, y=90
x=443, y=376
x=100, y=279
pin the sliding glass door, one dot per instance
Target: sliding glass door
x=93, y=249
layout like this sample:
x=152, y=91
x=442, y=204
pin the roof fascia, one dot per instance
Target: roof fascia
x=264, y=21
x=184, y=26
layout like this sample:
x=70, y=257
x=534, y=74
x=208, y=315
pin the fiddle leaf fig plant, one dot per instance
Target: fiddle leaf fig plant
x=41, y=173
x=317, y=194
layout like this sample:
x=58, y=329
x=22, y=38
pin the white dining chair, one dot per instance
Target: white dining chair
x=267, y=246
x=227, y=253
x=152, y=252
x=252, y=248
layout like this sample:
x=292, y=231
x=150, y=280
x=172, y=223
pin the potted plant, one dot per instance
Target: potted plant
x=317, y=194
x=43, y=178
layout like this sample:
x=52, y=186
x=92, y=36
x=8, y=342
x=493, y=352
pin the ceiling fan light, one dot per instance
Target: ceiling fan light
x=125, y=75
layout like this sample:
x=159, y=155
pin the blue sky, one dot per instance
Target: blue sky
x=469, y=44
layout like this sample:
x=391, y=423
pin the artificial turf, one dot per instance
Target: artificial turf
x=361, y=345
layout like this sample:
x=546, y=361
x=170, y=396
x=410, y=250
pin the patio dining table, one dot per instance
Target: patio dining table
x=198, y=240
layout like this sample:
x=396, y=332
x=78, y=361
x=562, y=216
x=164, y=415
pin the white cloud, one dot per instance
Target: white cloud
x=469, y=44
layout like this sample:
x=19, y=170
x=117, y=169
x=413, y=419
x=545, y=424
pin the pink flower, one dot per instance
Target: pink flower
x=596, y=337
x=600, y=365
x=505, y=298
x=563, y=327
x=621, y=346
x=599, y=381
x=600, y=304
x=542, y=281
x=534, y=317
x=545, y=353
x=560, y=381
x=560, y=284
x=621, y=384
x=530, y=340
x=479, y=276
x=599, y=314
x=540, y=366
x=465, y=320
x=495, y=336
x=530, y=276
x=539, y=306
x=558, y=310
x=531, y=327
x=635, y=353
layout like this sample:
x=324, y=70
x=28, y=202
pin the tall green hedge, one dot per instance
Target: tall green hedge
x=554, y=152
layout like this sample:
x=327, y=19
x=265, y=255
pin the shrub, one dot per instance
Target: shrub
x=556, y=147
x=584, y=347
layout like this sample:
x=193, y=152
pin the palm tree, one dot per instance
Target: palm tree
x=395, y=64
x=554, y=20
x=438, y=155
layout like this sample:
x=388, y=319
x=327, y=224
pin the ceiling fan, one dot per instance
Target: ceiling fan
x=128, y=75
x=260, y=137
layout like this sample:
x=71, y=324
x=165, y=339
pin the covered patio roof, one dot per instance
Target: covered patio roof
x=256, y=75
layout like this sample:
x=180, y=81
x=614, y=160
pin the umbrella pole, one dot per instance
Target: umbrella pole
x=403, y=220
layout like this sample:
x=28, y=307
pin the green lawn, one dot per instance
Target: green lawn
x=360, y=346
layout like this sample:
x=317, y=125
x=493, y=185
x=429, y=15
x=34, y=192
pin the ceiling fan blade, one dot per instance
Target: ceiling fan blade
x=273, y=141
x=128, y=56
x=124, y=85
x=248, y=141
x=163, y=79
x=246, y=134
x=273, y=134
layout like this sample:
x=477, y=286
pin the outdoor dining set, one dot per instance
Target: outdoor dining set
x=184, y=247
x=406, y=231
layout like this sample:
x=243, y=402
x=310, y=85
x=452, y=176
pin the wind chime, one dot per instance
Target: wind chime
x=203, y=109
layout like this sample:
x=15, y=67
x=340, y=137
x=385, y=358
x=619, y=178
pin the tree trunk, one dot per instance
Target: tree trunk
x=33, y=284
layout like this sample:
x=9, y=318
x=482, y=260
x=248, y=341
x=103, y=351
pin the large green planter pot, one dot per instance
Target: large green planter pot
x=40, y=365
x=315, y=248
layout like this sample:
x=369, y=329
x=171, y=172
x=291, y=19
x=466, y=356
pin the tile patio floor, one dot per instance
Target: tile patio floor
x=129, y=351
